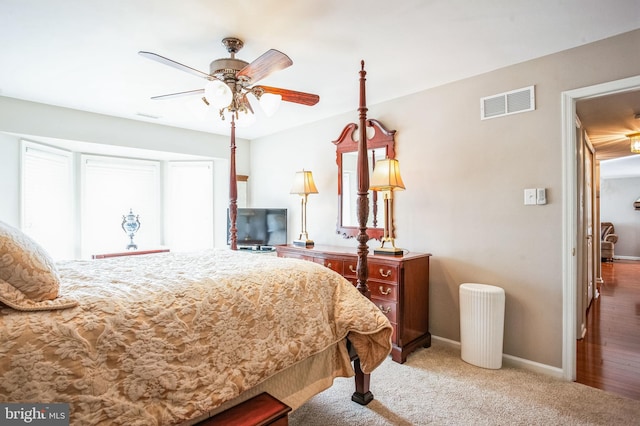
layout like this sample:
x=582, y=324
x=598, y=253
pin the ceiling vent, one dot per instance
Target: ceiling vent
x=507, y=103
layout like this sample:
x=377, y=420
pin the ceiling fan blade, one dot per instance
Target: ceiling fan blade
x=270, y=61
x=174, y=64
x=178, y=95
x=291, y=95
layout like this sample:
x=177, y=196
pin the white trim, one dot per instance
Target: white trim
x=569, y=235
x=514, y=361
x=569, y=212
x=536, y=367
x=616, y=257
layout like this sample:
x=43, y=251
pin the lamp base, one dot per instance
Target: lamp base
x=303, y=243
x=389, y=251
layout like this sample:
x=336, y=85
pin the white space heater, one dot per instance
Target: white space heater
x=481, y=324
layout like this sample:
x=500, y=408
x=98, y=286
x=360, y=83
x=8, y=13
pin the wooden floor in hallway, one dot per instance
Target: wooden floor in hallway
x=608, y=357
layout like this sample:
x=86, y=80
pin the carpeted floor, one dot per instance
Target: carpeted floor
x=435, y=387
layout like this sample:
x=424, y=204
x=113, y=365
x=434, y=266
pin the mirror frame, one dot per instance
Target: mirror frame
x=381, y=138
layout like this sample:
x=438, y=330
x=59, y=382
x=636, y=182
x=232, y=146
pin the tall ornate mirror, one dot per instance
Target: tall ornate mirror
x=380, y=144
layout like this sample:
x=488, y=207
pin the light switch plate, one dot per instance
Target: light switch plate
x=530, y=196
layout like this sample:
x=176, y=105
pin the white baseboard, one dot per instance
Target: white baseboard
x=514, y=361
x=451, y=343
x=626, y=258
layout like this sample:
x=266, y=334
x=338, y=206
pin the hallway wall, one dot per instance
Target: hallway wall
x=616, y=206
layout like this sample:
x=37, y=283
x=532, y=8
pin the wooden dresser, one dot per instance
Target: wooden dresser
x=399, y=286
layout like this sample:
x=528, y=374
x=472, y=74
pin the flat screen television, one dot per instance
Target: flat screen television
x=259, y=228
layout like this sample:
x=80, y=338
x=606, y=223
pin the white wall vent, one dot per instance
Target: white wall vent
x=507, y=103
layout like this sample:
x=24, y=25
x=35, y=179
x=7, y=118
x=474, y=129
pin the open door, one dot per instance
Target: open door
x=592, y=257
x=586, y=247
x=572, y=225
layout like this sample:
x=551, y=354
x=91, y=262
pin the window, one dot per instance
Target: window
x=47, y=198
x=190, y=205
x=74, y=204
x=111, y=187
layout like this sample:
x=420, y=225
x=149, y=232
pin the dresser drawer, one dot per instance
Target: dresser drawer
x=383, y=291
x=333, y=264
x=377, y=271
x=382, y=272
x=350, y=268
x=387, y=308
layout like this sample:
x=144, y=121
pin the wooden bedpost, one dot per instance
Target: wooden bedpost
x=363, y=191
x=362, y=395
x=233, y=190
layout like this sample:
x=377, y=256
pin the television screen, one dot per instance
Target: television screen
x=260, y=228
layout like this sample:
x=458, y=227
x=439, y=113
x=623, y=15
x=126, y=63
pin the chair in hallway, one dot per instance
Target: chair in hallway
x=608, y=240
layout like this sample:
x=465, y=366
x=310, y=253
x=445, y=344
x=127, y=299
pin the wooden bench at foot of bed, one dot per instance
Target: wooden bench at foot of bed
x=261, y=410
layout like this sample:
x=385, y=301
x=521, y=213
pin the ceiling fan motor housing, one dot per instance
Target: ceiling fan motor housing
x=224, y=68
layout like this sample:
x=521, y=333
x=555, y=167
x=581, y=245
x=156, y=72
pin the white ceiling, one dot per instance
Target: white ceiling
x=82, y=54
x=608, y=120
x=622, y=167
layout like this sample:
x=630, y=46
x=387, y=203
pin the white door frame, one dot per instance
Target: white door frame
x=569, y=212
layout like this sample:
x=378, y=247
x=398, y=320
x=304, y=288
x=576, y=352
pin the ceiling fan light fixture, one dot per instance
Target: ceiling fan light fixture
x=231, y=80
x=634, y=139
x=269, y=103
x=217, y=94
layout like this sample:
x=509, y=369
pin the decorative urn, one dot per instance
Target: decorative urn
x=131, y=225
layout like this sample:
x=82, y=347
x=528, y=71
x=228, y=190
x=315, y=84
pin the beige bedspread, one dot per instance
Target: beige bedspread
x=159, y=339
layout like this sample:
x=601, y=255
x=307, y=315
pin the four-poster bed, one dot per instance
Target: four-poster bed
x=173, y=338
x=170, y=338
x=362, y=394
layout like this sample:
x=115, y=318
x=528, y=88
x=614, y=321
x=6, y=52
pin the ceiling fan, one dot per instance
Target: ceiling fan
x=230, y=80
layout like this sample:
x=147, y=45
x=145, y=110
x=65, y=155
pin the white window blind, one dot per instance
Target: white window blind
x=111, y=187
x=47, y=198
x=190, y=205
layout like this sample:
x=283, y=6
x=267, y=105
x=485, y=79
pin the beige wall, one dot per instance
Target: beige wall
x=465, y=180
x=616, y=198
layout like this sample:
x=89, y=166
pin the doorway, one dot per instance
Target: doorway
x=572, y=288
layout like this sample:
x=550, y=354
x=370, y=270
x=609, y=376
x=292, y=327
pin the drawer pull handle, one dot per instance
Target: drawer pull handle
x=385, y=275
x=352, y=269
x=329, y=265
x=385, y=309
x=383, y=291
